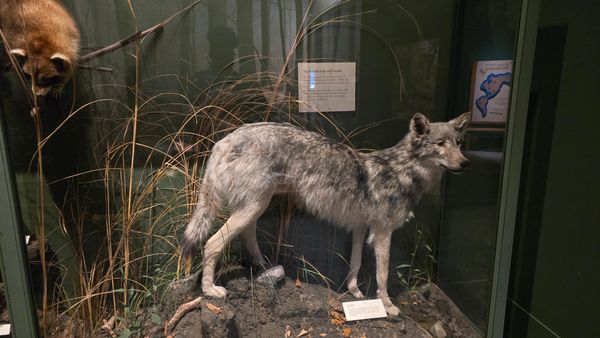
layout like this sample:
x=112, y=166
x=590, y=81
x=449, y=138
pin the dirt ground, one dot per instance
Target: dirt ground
x=292, y=309
x=296, y=309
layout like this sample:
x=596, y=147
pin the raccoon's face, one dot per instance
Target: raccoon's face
x=44, y=73
x=440, y=143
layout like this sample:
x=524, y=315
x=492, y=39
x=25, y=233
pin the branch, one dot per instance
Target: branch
x=182, y=310
x=134, y=37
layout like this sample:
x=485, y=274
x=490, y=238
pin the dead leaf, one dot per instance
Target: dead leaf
x=302, y=333
x=346, y=332
x=364, y=335
x=288, y=332
x=337, y=318
x=335, y=304
x=323, y=334
x=298, y=283
x=108, y=324
x=214, y=308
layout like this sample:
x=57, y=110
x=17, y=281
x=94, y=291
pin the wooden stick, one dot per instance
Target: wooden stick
x=133, y=37
x=182, y=310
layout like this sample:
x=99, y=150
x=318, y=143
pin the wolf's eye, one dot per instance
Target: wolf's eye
x=458, y=142
x=441, y=143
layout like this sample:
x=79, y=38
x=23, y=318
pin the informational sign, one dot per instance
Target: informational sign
x=327, y=86
x=490, y=94
x=364, y=309
x=4, y=329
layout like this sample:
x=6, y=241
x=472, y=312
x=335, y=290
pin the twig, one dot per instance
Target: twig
x=100, y=69
x=133, y=37
x=182, y=310
x=110, y=48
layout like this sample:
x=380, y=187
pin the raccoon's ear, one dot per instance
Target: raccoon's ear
x=20, y=55
x=419, y=125
x=61, y=62
x=460, y=123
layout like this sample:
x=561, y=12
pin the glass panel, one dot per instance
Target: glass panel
x=469, y=223
x=555, y=254
x=121, y=152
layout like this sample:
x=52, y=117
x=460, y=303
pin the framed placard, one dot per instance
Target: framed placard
x=490, y=91
x=327, y=86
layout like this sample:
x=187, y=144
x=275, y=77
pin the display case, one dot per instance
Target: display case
x=105, y=176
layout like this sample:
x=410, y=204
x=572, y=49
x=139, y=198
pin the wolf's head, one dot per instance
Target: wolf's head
x=438, y=144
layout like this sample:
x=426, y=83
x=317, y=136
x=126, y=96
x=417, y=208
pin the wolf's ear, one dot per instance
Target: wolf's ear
x=61, y=62
x=19, y=54
x=419, y=125
x=460, y=123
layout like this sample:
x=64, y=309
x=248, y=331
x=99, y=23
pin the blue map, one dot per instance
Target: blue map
x=491, y=87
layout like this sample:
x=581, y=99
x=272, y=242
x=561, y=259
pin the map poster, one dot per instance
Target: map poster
x=326, y=86
x=490, y=94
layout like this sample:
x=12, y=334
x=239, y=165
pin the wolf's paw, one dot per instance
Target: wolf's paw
x=392, y=310
x=215, y=291
x=356, y=293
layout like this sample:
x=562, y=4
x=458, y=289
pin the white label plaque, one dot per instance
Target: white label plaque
x=326, y=86
x=364, y=309
x=4, y=329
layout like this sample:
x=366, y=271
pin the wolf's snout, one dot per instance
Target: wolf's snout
x=464, y=164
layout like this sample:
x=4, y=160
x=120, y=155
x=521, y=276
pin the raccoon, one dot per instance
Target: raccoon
x=44, y=40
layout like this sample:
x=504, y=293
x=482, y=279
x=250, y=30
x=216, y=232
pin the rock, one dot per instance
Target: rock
x=191, y=325
x=220, y=325
x=437, y=330
x=271, y=275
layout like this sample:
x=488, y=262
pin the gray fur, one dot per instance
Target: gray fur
x=354, y=190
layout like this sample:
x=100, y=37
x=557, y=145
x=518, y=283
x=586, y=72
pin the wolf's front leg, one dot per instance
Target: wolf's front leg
x=252, y=246
x=381, y=244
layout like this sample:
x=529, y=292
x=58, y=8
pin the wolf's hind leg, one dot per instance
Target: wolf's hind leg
x=249, y=235
x=358, y=240
x=239, y=220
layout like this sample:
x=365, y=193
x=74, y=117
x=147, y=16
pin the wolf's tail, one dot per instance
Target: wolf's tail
x=200, y=223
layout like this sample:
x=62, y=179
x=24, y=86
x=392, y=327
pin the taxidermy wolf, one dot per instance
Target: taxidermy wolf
x=357, y=191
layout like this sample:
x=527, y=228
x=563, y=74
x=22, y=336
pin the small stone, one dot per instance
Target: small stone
x=271, y=275
x=437, y=330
